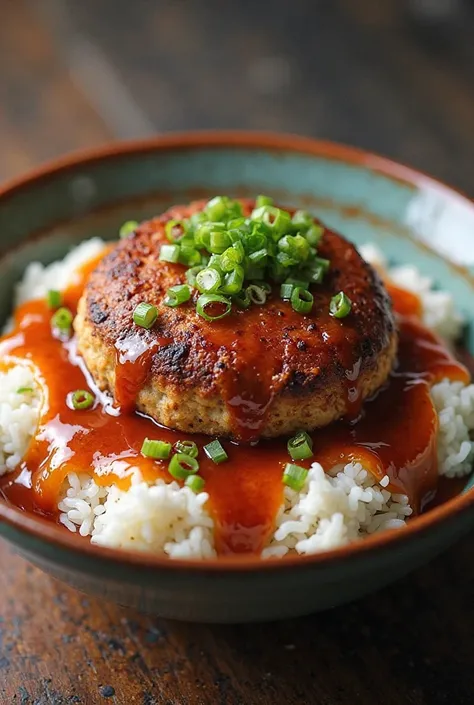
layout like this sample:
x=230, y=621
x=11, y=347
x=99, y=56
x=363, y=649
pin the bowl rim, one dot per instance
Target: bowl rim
x=47, y=531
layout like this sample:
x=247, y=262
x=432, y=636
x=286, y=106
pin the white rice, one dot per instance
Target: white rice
x=158, y=517
x=19, y=414
x=438, y=308
x=335, y=507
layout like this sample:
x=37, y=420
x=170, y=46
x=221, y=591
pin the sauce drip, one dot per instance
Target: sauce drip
x=395, y=433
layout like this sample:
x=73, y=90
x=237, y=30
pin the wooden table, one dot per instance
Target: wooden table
x=78, y=74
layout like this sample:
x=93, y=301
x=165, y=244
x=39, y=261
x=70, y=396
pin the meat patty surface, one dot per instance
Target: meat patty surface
x=264, y=371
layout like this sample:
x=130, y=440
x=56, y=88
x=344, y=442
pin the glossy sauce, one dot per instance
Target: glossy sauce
x=395, y=433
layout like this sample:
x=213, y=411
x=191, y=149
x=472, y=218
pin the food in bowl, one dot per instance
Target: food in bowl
x=230, y=377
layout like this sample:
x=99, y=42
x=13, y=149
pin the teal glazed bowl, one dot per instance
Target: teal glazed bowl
x=368, y=198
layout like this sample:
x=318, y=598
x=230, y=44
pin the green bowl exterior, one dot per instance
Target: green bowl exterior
x=412, y=218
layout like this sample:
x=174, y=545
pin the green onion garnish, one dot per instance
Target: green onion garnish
x=174, y=230
x=239, y=258
x=208, y=280
x=169, y=253
x=187, y=447
x=62, y=320
x=213, y=306
x=300, y=446
x=145, y=315
x=263, y=201
x=177, y=295
x=81, y=399
x=182, y=465
x=129, y=227
x=340, y=305
x=24, y=390
x=54, y=298
x=159, y=450
x=302, y=300
x=215, y=452
x=195, y=483
x=294, y=476
x=257, y=294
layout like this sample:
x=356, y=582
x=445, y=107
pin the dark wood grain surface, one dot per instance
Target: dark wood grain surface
x=77, y=74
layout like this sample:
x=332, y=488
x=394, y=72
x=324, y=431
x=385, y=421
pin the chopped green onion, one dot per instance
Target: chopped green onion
x=302, y=283
x=177, y=295
x=187, y=447
x=189, y=256
x=127, y=228
x=81, y=399
x=191, y=274
x=302, y=220
x=159, y=450
x=274, y=218
x=182, y=466
x=216, y=208
x=233, y=281
x=340, y=305
x=258, y=256
x=301, y=300
x=232, y=257
x=208, y=280
x=24, y=390
x=300, y=446
x=257, y=294
x=294, y=476
x=219, y=242
x=317, y=274
x=195, y=483
x=62, y=320
x=314, y=234
x=286, y=290
x=242, y=299
x=145, y=315
x=54, y=298
x=174, y=230
x=263, y=201
x=321, y=262
x=207, y=303
x=215, y=452
x=169, y=253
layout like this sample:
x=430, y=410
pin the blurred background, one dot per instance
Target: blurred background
x=392, y=76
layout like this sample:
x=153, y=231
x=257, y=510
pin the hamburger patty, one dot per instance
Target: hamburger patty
x=264, y=371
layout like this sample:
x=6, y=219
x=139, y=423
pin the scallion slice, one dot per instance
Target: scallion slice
x=340, y=305
x=233, y=281
x=192, y=273
x=62, y=320
x=257, y=294
x=212, y=307
x=54, y=298
x=208, y=280
x=301, y=300
x=187, y=447
x=294, y=476
x=145, y=315
x=182, y=466
x=300, y=446
x=81, y=399
x=25, y=390
x=127, y=228
x=195, y=483
x=169, y=253
x=177, y=295
x=215, y=452
x=159, y=450
x=263, y=201
x=174, y=230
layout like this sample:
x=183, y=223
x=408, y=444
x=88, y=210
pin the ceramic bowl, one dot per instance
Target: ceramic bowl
x=368, y=198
